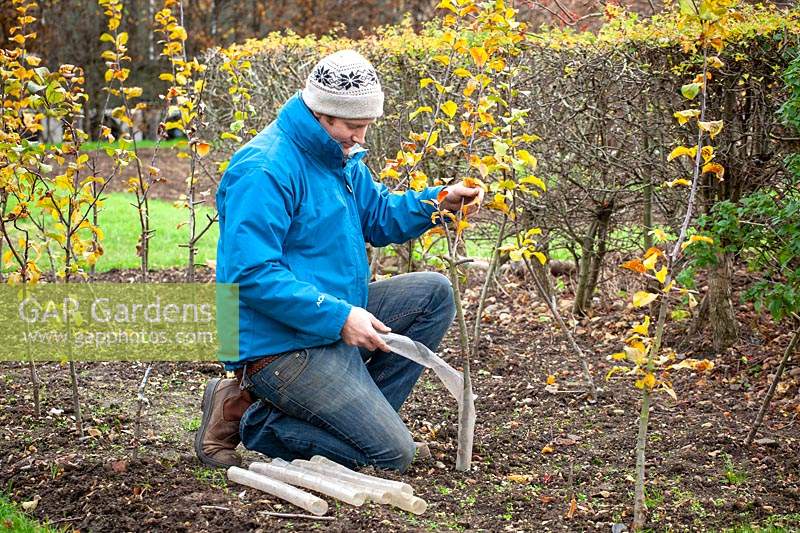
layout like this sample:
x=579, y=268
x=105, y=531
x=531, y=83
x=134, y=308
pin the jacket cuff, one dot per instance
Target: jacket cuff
x=430, y=194
x=331, y=328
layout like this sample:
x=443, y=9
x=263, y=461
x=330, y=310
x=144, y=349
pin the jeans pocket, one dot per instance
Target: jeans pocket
x=282, y=372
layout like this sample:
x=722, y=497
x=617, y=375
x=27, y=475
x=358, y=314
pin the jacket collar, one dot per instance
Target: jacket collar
x=299, y=123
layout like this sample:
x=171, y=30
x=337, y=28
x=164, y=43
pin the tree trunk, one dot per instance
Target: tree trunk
x=584, y=268
x=593, y=251
x=597, y=263
x=722, y=318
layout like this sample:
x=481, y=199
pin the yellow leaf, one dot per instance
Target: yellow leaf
x=178, y=34
x=669, y=286
x=616, y=370
x=202, y=148
x=419, y=180
x=479, y=55
x=551, y=379
x=660, y=235
x=661, y=275
x=643, y=327
x=697, y=238
x=708, y=153
x=682, y=150
x=446, y=4
x=684, y=116
x=636, y=351
x=132, y=92
x=541, y=257
x=389, y=172
x=533, y=180
x=497, y=64
x=443, y=59
x=713, y=127
x=424, y=82
x=647, y=382
x=432, y=138
x=420, y=109
x=650, y=262
x=700, y=365
x=642, y=298
x=519, y=478
x=499, y=203
x=470, y=88
x=462, y=73
x=527, y=158
x=449, y=108
x=678, y=182
x=547, y=449
x=619, y=356
x=714, y=168
x=715, y=62
x=653, y=250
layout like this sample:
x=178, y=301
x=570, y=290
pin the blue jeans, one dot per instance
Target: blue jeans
x=342, y=401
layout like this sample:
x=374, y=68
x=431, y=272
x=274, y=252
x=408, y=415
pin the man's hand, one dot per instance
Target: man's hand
x=459, y=194
x=362, y=328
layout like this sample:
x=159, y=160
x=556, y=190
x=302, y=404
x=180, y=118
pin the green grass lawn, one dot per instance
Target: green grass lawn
x=143, y=143
x=14, y=519
x=120, y=222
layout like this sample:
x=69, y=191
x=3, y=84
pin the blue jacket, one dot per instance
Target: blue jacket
x=294, y=217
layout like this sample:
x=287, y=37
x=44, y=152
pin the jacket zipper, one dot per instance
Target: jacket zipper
x=353, y=213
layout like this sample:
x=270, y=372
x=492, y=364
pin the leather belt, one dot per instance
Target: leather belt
x=255, y=366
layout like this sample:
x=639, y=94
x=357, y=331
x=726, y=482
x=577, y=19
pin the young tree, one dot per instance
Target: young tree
x=704, y=27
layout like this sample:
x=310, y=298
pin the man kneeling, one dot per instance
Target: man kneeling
x=297, y=206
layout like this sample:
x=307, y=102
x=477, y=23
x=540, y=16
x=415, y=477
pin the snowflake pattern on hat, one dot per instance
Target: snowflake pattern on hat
x=344, y=81
x=349, y=80
x=324, y=76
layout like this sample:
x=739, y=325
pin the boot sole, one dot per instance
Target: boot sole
x=198, y=438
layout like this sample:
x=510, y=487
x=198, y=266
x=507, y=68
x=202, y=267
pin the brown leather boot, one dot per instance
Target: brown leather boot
x=218, y=435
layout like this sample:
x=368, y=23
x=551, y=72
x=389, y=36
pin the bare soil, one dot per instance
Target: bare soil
x=170, y=182
x=700, y=476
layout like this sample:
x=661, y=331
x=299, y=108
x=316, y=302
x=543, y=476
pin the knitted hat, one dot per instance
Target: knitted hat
x=344, y=85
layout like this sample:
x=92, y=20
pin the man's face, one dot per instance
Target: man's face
x=346, y=131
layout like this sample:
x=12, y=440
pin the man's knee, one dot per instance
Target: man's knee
x=436, y=284
x=400, y=455
x=442, y=292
